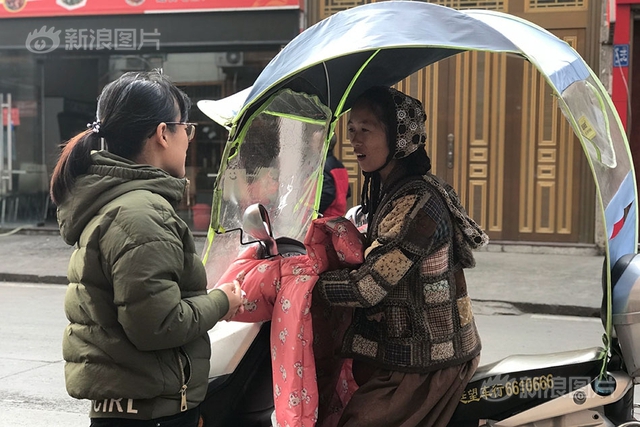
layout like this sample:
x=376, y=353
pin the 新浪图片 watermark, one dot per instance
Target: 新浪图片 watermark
x=45, y=40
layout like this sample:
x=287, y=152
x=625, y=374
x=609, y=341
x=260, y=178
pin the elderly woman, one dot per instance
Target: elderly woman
x=413, y=338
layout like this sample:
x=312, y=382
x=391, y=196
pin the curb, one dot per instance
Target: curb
x=490, y=307
x=558, y=310
x=33, y=278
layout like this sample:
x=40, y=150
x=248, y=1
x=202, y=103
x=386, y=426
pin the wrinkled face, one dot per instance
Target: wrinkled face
x=368, y=137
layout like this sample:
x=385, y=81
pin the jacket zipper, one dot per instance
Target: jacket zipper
x=185, y=381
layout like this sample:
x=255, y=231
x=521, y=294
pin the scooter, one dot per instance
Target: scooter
x=558, y=389
x=278, y=134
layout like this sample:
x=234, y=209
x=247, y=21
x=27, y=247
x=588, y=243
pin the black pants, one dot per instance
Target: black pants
x=189, y=418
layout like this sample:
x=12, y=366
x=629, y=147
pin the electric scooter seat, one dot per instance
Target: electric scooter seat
x=532, y=362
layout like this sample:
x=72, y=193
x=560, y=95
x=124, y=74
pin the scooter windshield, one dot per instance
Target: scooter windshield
x=277, y=160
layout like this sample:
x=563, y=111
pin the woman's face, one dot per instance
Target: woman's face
x=368, y=138
x=176, y=155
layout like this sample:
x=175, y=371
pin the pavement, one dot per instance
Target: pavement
x=507, y=279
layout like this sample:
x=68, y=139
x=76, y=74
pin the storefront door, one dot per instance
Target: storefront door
x=507, y=149
x=23, y=173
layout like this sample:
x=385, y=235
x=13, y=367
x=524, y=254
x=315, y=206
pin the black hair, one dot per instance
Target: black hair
x=129, y=111
x=261, y=144
x=380, y=101
x=332, y=143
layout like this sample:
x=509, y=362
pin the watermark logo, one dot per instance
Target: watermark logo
x=110, y=39
x=118, y=39
x=43, y=40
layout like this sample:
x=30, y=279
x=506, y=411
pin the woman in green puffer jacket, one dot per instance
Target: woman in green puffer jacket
x=138, y=309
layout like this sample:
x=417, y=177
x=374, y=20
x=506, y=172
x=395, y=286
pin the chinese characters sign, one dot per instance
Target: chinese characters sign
x=35, y=8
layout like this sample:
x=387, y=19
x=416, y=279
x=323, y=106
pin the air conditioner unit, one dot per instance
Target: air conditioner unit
x=229, y=59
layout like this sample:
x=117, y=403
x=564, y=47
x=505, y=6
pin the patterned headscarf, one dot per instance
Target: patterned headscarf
x=405, y=119
x=411, y=129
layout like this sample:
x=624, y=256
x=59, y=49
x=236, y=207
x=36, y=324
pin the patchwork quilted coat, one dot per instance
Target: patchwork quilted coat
x=412, y=311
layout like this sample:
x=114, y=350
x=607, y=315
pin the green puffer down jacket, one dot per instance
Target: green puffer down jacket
x=137, y=342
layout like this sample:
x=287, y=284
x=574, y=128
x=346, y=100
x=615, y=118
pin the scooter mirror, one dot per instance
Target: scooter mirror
x=356, y=216
x=256, y=222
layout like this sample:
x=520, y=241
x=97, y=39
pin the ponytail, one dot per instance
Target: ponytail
x=74, y=161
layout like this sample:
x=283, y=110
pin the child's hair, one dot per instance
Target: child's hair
x=129, y=111
x=261, y=145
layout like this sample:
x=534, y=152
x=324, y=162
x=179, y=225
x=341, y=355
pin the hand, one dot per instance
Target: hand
x=235, y=296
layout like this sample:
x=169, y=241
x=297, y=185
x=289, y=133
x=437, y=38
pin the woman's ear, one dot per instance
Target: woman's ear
x=159, y=136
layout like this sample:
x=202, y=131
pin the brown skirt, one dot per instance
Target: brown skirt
x=397, y=399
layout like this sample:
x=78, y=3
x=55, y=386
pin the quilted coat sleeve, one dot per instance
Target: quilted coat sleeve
x=158, y=287
x=404, y=234
x=333, y=243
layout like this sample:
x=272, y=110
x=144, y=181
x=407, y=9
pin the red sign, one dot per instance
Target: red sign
x=15, y=116
x=33, y=8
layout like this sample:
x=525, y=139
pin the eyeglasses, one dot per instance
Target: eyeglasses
x=190, y=127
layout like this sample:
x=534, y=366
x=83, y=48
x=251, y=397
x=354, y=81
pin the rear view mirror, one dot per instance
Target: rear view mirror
x=356, y=216
x=255, y=222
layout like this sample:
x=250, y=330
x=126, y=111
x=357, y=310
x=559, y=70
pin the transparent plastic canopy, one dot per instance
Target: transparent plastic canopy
x=277, y=161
